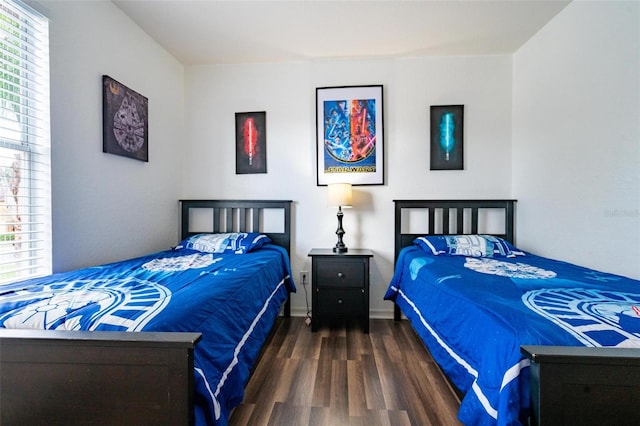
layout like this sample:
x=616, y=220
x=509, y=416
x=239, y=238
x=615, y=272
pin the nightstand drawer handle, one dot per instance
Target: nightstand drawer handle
x=340, y=302
x=340, y=275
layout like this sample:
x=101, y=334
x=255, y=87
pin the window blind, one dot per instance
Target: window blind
x=25, y=149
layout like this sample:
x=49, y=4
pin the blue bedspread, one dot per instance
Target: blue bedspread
x=231, y=299
x=473, y=313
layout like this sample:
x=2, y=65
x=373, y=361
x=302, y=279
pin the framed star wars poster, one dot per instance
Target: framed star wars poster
x=125, y=121
x=251, y=142
x=350, y=135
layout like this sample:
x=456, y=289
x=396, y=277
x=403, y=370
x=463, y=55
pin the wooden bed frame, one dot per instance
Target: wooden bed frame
x=569, y=384
x=241, y=216
x=448, y=217
x=86, y=377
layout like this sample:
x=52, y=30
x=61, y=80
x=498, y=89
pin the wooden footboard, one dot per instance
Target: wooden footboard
x=584, y=385
x=82, y=378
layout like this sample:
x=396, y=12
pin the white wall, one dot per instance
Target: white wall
x=287, y=93
x=573, y=91
x=576, y=137
x=106, y=207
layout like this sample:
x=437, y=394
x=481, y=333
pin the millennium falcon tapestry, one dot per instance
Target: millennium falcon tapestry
x=125, y=121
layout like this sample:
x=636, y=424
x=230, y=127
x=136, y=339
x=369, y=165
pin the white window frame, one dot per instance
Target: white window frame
x=25, y=143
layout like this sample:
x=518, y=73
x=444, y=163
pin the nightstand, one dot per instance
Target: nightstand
x=340, y=286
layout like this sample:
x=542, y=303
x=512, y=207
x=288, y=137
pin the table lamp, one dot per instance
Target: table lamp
x=339, y=194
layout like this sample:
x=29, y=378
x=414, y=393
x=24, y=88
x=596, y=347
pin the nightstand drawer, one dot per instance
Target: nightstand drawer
x=338, y=273
x=341, y=302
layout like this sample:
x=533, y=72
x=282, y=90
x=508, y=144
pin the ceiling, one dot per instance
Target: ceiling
x=243, y=31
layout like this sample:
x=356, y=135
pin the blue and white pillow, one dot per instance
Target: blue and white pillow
x=225, y=243
x=244, y=242
x=467, y=245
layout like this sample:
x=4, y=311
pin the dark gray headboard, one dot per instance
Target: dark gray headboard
x=456, y=217
x=240, y=216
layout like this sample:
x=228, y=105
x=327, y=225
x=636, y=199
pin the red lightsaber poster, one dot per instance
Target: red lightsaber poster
x=251, y=142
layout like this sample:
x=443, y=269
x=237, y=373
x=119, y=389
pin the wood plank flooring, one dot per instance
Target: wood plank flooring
x=340, y=376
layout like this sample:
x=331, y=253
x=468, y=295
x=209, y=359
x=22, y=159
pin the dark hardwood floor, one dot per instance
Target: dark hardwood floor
x=340, y=376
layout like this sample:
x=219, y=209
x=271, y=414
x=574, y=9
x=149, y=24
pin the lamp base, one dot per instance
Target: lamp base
x=340, y=247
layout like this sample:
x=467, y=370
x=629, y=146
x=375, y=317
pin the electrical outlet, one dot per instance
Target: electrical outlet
x=304, y=277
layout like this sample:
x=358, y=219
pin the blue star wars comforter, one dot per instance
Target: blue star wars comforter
x=474, y=300
x=232, y=299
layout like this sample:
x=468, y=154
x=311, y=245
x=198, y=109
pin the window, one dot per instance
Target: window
x=25, y=154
